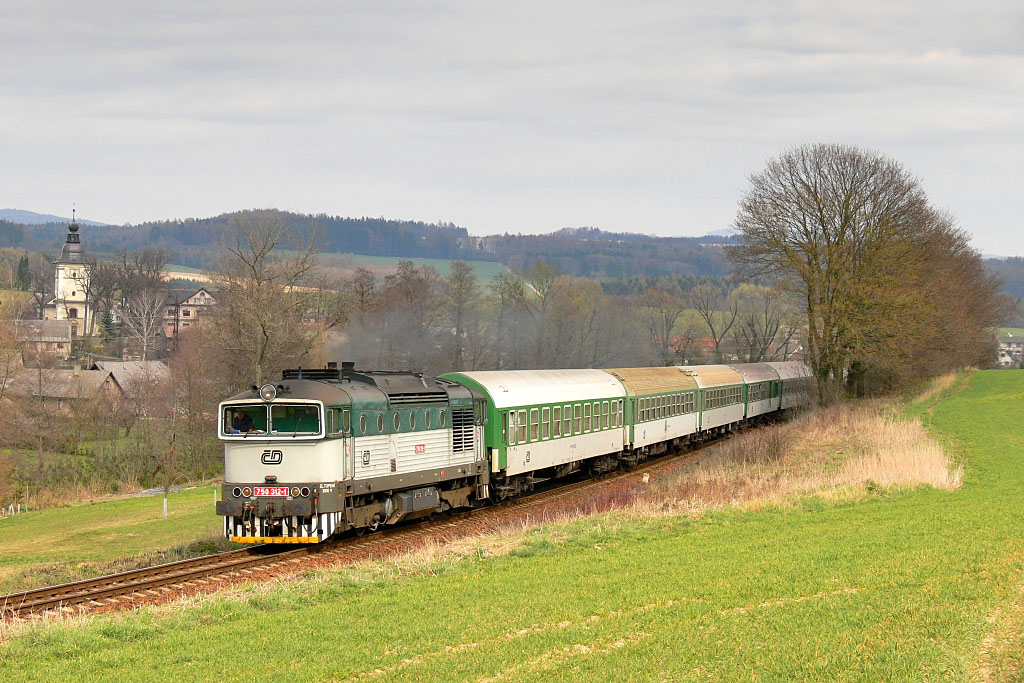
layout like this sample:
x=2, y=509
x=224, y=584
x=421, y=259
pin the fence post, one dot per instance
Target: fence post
x=165, y=506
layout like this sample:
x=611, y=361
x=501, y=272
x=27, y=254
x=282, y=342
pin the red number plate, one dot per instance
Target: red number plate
x=271, y=490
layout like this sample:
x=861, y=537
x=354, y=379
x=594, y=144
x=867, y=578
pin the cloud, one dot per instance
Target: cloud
x=645, y=116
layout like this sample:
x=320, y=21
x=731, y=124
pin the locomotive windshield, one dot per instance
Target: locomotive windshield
x=245, y=419
x=282, y=419
x=288, y=418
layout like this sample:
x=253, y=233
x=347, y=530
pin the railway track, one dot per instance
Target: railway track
x=162, y=582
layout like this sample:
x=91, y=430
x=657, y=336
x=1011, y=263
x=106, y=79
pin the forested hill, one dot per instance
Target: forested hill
x=577, y=251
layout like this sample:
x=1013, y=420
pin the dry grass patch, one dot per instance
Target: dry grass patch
x=938, y=386
x=844, y=451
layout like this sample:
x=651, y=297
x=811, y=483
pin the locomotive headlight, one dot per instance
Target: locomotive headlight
x=246, y=491
x=295, y=492
x=305, y=492
x=268, y=392
x=236, y=492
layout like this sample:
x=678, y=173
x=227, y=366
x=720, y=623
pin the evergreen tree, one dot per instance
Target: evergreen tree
x=23, y=280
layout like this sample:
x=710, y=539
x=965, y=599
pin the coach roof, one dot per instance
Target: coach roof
x=712, y=375
x=512, y=388
x=640, y=381
x=791, y=369
x=756, y=372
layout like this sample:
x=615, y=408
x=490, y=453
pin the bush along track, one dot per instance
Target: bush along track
x=905, y=583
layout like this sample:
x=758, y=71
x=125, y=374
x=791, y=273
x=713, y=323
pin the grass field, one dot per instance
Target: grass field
x=62, y=544
x=1013, y=331
x=485, y=270
x=913, y=585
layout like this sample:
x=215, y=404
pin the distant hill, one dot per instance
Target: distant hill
x=32, y=218
x=583, y=251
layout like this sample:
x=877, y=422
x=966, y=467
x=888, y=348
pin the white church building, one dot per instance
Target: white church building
x=71, y=286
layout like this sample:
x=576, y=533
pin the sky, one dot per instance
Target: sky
x=524, y=117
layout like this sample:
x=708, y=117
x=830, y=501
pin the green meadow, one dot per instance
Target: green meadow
x=56, y=545
x=911, y=585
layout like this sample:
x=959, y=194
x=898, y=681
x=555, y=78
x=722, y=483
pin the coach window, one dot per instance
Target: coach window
x=380, y=423
x=412, y=419
x=397, y=421
x=534, y=424
x=556, y=421
x=597, y=415
x=586, y=417
x=521, y=425
x=577, y=415
x=545, y=423
x=509, y=419
x=426, y=419
x=443, y=418
x=566, y=420
x=362, y=424
x=346, y=421
x=604, y=415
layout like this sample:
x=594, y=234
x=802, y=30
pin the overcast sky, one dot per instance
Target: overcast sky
x=522, y=117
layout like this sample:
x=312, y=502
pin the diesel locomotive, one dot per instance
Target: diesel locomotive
x=325, y=450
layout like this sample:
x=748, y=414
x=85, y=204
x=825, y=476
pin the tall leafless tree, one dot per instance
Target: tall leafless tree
x=142, y=319
x=718, y=310
x=851, y=232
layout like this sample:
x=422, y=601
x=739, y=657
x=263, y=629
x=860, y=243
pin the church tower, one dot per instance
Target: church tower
x=71, y=284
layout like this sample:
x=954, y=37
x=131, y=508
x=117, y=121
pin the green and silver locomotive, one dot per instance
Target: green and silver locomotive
x=331, y=449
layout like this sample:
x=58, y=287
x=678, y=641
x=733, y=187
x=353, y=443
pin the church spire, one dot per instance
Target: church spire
x=72, y=251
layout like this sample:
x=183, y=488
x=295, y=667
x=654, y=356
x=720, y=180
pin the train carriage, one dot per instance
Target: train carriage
x=797, y=383
x=761, y=386
x=661, y=406
x=546, y=420
x=721, y=393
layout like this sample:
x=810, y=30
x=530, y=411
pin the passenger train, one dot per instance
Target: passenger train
x=330, y=449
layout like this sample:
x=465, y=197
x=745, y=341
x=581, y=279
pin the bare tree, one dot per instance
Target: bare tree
x=660, y=310
x=718, y=310
x=362, y=286
x=143, y=319
x=267, y=288
x=509, y=291
x=765, y=325
x=461, y=294
x=852, y=234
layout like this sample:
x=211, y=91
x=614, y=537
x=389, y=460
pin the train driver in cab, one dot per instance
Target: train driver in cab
x=242, y=423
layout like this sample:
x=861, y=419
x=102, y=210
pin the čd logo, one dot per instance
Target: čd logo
x=272, y=457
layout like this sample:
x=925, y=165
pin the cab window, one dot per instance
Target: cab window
x=294, y=419
x=245, y=419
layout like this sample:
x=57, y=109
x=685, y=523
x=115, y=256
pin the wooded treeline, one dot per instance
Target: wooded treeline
x=585, y=252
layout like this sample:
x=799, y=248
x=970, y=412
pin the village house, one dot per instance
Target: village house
x=134, y=376
x=40, y=339
x=59, y=390
x=1011, y=351
x=183, y=307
